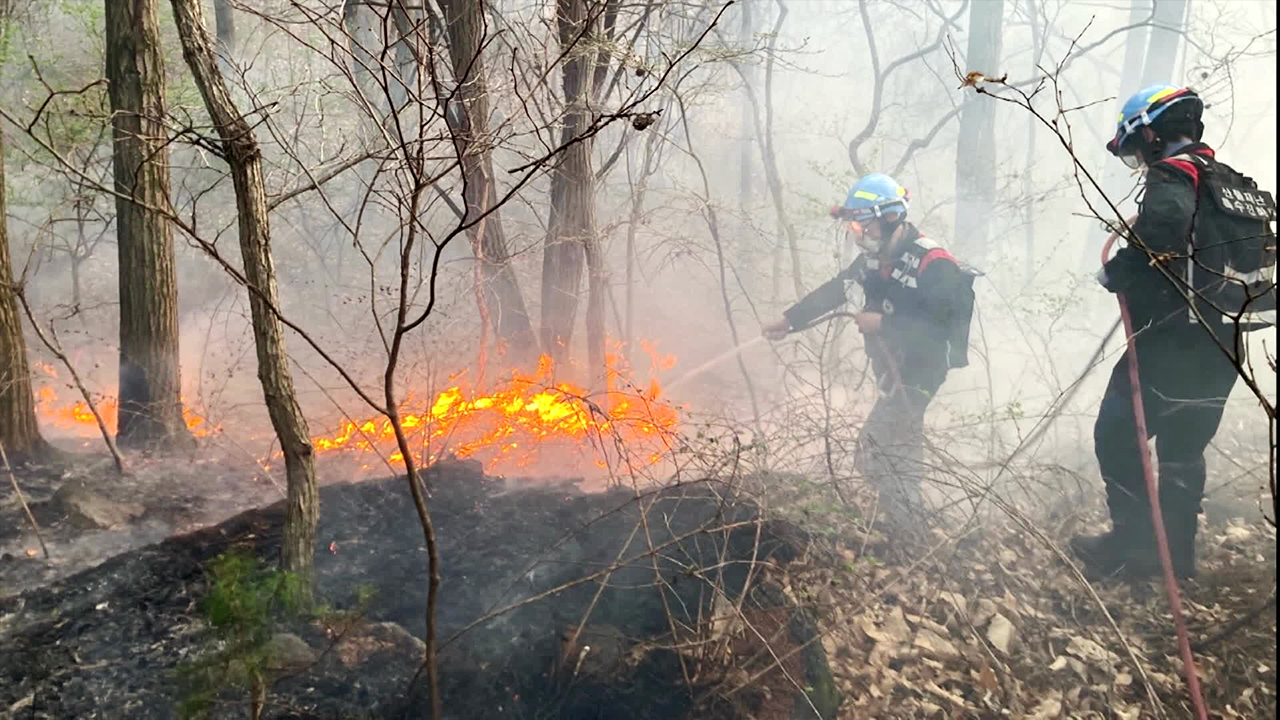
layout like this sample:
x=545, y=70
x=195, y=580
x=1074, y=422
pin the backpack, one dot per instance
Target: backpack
x=1231, y=267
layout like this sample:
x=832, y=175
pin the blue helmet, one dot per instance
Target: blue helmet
x=1143, y=108
x=872, y=196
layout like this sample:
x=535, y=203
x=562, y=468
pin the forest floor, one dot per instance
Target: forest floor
x=997, y=624
x=993, y=623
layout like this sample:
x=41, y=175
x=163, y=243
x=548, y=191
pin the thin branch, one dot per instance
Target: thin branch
x=35, y=526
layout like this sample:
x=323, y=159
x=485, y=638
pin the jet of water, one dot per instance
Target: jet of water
x=714, y=361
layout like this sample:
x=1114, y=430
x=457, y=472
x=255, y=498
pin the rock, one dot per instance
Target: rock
x=930, y=642
x=1000, y=633
x=287, y=652
x=86, y=508
x=359, y=644
x=1236, y=535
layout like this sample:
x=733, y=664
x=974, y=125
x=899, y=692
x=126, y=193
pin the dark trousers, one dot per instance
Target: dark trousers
x=1185, y=379
x=891, y=444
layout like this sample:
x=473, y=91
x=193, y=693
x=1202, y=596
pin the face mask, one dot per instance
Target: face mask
x=860, y=238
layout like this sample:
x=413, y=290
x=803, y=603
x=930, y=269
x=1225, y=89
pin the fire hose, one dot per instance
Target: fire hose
x=1153, y=496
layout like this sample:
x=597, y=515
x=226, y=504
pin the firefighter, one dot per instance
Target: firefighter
x=918, y=304
x=1192, y=280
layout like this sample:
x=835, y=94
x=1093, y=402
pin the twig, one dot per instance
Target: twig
x=1236, y=624
x=36, y=526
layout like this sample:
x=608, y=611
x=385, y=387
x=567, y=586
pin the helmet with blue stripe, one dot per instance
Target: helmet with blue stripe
x=1142, y=109
x=872, y=196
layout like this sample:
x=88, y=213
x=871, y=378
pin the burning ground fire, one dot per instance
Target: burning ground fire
x=527, y=423
x=78, y=418
x=530, y=420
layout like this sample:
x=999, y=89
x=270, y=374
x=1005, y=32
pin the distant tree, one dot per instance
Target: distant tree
x=150, y=408
x=225, y=20
x=976, y=147
x=1161, y=64
x=571, y=234
x=469, y=115
x=19, y=432
x=1115, y=178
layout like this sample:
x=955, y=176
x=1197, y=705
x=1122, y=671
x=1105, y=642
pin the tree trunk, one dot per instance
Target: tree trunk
x=1028, y=172
x=638, y=193
x=746, y=111
x=504, y=301
x=572, y=219
x=1116, y=178
x=241, y=149
x=19, y=432
x=150, y=406
x=225, y=19
x=1162, y=52
x=403, y=85
x=976, y=147
x=771, y=174
x=357, y=24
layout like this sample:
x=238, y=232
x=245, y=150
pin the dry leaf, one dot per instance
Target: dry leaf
x=930, y=642
x=1050, y=707
x=1000, y=633
x=1086, y=649
x=987, y=678
x=895, y=626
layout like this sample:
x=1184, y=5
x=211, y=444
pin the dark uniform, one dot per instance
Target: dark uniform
x=926, y=299
x=1185, y=371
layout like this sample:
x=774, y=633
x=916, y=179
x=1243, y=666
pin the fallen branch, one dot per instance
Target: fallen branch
x=35, y=526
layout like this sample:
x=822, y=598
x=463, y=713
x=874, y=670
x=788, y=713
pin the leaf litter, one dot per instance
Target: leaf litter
x=997, y=626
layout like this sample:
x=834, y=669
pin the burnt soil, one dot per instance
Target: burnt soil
x=105, y=642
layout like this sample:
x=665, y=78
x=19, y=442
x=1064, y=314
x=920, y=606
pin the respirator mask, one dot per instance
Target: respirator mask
x=873, y=242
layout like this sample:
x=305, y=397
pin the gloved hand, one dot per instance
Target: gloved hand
x=777, y=329
x=1103, y=279
x=1120, y=272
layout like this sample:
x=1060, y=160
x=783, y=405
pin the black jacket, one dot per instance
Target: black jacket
x=1166, y=212
x=916, y=292
x=1193, y=239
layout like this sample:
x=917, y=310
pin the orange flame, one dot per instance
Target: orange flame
x=527, y=419
x=530, y=419
x=76, y=417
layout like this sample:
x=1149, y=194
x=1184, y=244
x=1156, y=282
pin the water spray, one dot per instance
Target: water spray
x=733, y=351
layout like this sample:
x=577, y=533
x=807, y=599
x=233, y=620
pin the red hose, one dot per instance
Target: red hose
x=1153, y=494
